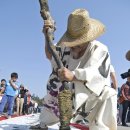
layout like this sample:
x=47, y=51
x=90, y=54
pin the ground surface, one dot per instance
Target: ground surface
x=24, y=122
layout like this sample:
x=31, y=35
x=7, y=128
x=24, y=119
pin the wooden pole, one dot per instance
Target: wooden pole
x=64, y=97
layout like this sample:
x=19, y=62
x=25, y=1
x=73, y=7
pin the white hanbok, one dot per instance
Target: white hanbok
x=92, y=70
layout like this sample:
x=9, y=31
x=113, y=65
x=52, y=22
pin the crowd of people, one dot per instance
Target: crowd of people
x=15, y=98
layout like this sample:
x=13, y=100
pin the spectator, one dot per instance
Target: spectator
x=3, y=83
x=9, y=94
x=2, y=88
x=24, y=111
x=125, y=92
x=27, y=102
x=31, y=107
x=35, y=107
x=20, y=99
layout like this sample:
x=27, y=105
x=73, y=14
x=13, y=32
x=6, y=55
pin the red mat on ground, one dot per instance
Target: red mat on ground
x=79, y=126
x=5, y=118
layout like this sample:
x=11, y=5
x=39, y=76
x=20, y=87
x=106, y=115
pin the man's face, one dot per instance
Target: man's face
x=77, y=50
x=14, y=79
x=3, y=82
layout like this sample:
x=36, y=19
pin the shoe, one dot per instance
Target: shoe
x=37, y=127
x=124, y=124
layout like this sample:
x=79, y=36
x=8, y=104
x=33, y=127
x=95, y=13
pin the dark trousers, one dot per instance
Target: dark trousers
x=128, y=116
x=25, y=109
x=126, y=105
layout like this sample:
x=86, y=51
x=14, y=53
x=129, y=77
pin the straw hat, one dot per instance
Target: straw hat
x=81, y=29
x=128, y=55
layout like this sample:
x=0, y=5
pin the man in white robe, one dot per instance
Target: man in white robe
x=87, y=67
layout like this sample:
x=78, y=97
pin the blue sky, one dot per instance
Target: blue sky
x=22, y=41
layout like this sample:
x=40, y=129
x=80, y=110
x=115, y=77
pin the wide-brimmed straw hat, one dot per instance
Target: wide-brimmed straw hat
x=128, y=55
x=81, y=29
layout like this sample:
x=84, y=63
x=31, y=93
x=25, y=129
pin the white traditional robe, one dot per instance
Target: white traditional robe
x=93, y=69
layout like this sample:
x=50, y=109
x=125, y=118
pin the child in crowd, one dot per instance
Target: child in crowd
x=9, y=95
x=2, y=88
